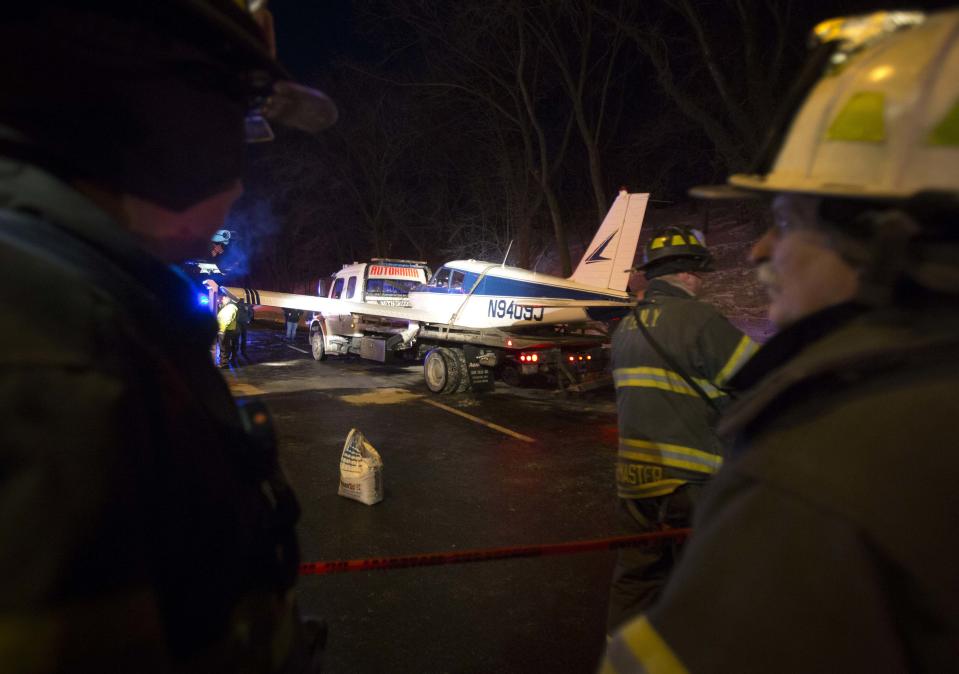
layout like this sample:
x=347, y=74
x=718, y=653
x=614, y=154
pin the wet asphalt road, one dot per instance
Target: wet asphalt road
x=451, y=484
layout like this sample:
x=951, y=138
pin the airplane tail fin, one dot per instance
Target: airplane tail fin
x=609, y=257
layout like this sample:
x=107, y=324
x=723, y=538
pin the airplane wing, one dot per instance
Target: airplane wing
x=326, y=305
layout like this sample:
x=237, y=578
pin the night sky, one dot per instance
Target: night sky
x=310, y=34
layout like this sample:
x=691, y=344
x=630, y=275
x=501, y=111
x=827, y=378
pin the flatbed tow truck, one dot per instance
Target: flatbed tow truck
x=455, y=359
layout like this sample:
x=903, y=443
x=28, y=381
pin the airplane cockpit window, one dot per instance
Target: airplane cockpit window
x=351, y=287
x=441, y=279
x=456, y=280
x=337, y=289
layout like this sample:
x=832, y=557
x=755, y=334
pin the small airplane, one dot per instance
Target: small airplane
x=475, y=294
x=471, y=294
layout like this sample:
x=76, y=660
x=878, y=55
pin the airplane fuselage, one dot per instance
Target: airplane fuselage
x=478, y=294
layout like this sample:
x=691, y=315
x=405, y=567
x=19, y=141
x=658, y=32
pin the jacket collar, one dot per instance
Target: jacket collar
x=847, y=339
x=659, y=288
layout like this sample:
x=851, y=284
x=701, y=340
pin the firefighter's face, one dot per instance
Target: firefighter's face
x=800, y=270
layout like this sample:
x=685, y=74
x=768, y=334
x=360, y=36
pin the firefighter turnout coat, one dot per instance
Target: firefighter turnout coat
x=667, y=431
x=828, y=541
x=142, y=528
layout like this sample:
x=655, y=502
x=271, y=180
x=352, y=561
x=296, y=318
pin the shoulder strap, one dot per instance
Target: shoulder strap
x=671, y=362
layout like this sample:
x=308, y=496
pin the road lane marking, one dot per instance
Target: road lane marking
x=488, y=424
x=382, y=396
x=239, y=388
x=296, y=348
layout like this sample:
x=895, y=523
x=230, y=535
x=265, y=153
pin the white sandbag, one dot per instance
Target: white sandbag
x=361, y=470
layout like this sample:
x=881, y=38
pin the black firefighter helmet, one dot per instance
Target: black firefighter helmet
x=673, y=250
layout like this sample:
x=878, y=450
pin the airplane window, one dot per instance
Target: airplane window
x=351, y=287
x=441, y=279
x=456, y=280
x=337, y=289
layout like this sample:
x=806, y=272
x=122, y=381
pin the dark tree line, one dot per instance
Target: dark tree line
x=474, y=127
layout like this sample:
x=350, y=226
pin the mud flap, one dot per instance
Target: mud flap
x=481, y=377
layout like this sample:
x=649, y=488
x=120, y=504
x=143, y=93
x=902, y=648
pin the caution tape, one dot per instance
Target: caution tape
x=489, y=554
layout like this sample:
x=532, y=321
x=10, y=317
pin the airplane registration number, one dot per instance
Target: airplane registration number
x=502, y=309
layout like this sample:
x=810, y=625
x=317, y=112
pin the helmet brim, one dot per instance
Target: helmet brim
x=290, y=104
x=724, y=193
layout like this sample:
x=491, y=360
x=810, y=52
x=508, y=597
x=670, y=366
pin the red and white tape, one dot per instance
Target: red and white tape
x=489, y=554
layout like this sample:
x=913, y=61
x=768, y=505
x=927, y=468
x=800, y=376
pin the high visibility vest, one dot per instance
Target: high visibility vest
x=226, y=317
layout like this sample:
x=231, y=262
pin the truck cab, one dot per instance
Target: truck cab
x=380, y=281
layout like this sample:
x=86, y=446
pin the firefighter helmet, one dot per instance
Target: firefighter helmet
x=883, y=121
x=673, y=250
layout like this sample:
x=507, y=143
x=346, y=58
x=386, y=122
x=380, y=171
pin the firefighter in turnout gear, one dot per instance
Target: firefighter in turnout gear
x=145, y=523
x=827, y=543
x=672, y=359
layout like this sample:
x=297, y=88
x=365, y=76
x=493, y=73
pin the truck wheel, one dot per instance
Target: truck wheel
x=317, y=344
x=464, y=373
x=440, y=372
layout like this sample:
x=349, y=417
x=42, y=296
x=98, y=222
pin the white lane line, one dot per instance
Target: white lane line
x=495, y=427
x=296, y=348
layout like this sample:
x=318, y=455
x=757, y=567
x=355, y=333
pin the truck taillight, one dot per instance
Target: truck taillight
x=529, y=357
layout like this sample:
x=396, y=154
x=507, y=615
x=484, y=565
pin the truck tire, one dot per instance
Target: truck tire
x=440, y=372
x=464, y=373
x=317, y=342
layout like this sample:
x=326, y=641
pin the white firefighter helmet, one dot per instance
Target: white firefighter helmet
x=222, y=236
x=883, y=122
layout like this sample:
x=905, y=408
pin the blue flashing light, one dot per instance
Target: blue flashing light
x=203, y=299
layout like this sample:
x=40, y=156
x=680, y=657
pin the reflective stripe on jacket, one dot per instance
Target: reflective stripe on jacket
x=666, y=430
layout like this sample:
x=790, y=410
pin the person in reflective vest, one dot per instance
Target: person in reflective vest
x=827, y=543
x=226, y=319
x=672, y=358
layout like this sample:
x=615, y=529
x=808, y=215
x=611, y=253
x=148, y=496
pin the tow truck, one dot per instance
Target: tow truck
x=455, y=359
x=472, y=320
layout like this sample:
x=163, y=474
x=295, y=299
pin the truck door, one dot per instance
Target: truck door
x=343, y=289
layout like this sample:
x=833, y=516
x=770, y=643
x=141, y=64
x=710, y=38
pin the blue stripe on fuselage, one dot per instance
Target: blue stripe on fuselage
x=507, y=287
x=494, y=286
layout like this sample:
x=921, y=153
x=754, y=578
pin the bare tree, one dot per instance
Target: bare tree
x=727, y=80
x=483, y=51
x=586, y=54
